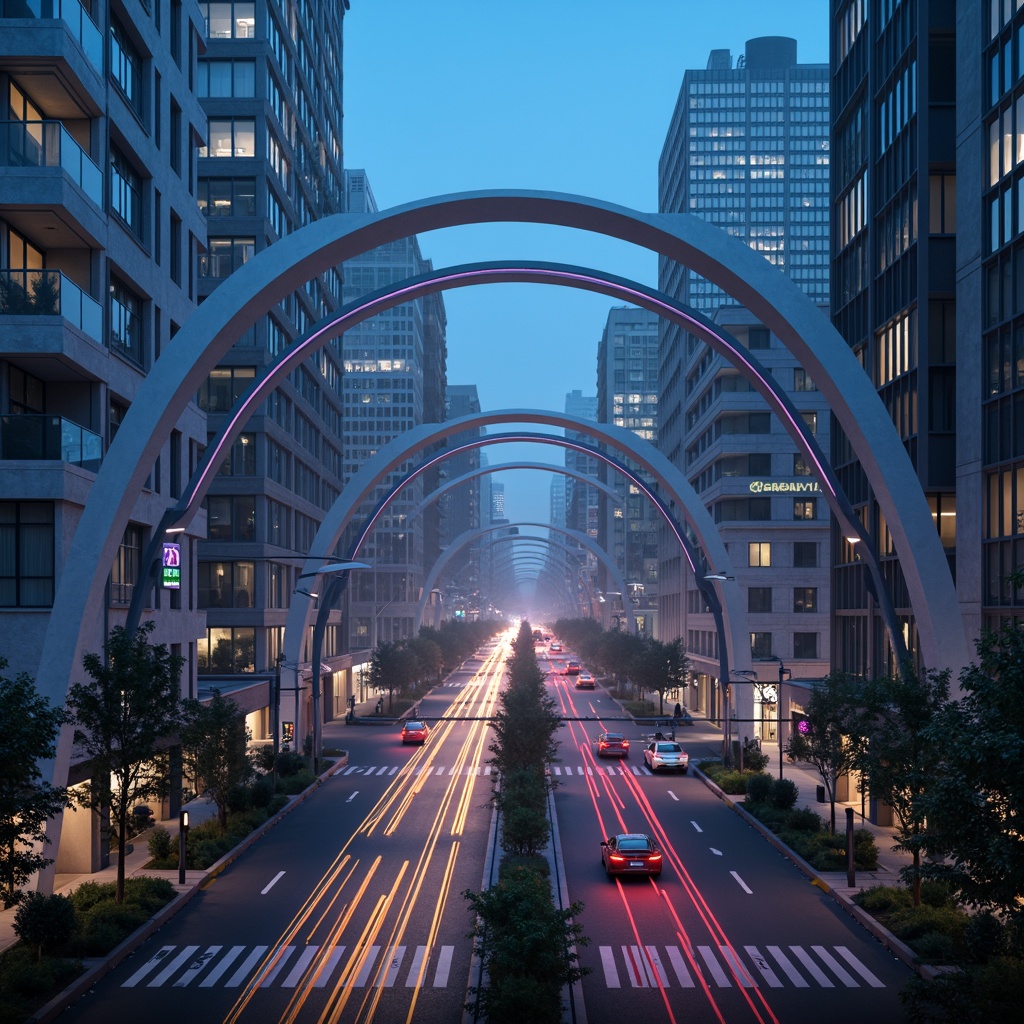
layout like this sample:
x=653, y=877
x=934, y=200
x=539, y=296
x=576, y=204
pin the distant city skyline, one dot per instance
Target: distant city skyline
x=588, y=115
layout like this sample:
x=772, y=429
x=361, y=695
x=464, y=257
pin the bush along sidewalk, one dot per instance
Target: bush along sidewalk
x=773, y=802
x=57, y=932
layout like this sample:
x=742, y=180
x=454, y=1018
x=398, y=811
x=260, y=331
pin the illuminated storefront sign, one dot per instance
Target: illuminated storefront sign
x=170, y=574
x=784, y=487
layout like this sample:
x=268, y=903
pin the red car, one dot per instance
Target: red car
x=415, y=732
x=631, y=853
x=612, y=744
x=572, y=668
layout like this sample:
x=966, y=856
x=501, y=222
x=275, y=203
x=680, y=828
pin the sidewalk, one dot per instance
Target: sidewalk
x=198, y=811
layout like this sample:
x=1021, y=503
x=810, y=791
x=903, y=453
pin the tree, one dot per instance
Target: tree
x=44, y=919
x=392, y=668
x=120, y=716
x=658, y=666
x=214, y=748
x=895, y=753
x=429, y=659
x=974, y=807
x=821, y=738
x=28, y=737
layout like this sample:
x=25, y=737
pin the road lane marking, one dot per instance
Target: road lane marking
x=654, y=960
x=223, y=964
x=284, y=956
x=397, y=955
x=414, y=967
x=717, y=853
x=158, y=957
x=270, y=885
x=300, y=967
x=812, y=968
x=674, y=797
x=196, y=966
x=833, y=964
x=746, y=981
x=763, y=966
x=352, y=797
x=248, y=964
x=165, y=974
x=360, y=980
x=444, y=965
x=708, y=955
x=742, y=884
x=675, y=958
x=859, y=967
x=786, y=964
x=328, y=968
x=611, y=975
x=696, y=826
x=636, y=967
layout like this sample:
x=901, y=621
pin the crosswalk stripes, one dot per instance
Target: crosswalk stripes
x=233, y=967
x=561, y=771
x=725, y=967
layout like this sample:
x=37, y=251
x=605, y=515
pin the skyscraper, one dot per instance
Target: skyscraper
x=748, y=150
x=581, y=508
x=627, y=396
x=394, y=380
x=899, y=275
x=99, y=238
x=270, y=81
x=460, y=506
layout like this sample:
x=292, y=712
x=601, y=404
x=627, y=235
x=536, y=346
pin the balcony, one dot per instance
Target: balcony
x=48, y=144
x=82, y=28
x=49, y=439
x=50, y=293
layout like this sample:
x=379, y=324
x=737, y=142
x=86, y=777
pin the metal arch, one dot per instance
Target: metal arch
x=468, y=536
x=544, y=467
x=248, y=293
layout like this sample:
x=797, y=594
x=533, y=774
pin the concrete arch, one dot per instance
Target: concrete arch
x=736, y=649
x=471, y=535
x=290, y=263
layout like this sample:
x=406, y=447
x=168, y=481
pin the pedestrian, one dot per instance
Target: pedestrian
x=352, y=701
x=380, y=705
x=678, y=713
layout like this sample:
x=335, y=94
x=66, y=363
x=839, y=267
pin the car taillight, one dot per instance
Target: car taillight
x=655, y=856
x=617, y=858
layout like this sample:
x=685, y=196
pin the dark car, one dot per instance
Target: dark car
x=631, y=853
x=572, y=668
x=612, y=744
x=415, y=732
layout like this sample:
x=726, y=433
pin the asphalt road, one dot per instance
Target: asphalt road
x=351, y=908
x=730, y=932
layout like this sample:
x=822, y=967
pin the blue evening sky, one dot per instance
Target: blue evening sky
x=562, y=95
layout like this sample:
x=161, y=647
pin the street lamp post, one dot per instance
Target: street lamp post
x=784, y=674
x=182, y=845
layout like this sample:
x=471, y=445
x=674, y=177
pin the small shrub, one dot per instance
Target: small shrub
x=884, y=899
x=755, y=760
x=865, y=852
x=22, y=975
x=148, y=893
x=804, y=820
x=935, y=948
x=936, y=893
x=43, y=920
x=985, y=937
x=106, y=925
x=159, y=843
x=262, y=791
x=296, y=782
x=88, y=894
x=239, y=799
x=733, y=783
x=264, y=758
x=911, y=923
x=289, y=763
x=277, y=803
x=785, y=794
x=760, y=788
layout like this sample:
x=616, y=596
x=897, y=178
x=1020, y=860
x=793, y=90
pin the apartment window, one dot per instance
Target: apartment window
x=26, y=554
x=230, y=20
x=759, y=338
x=125, y=321
x=801, y=382
x=175, y=141
x=760, y=645
x=219, y=78
x=126, y=566
x=759, y=553
x=235, y=136
x=225, y=255
x=805, y=599
x=226, y=584
x=805, y=554
x=804, y=508
x=226, y=651
x=810, y=421
x=279, y=529
x=278, y=585
x=805, y=645
x=942, y=204
x=224, y=387
x=242, y=459
x=231, y=517
x=126, y=65
x=125, y=191
x=227, y=197
x=759, y=599
x=27, y=394
x=800, y=467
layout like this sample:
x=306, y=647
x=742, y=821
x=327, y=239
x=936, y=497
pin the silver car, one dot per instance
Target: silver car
x=666, y=755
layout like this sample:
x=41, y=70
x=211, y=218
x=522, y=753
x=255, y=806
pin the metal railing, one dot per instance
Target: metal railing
x=50, y=439
x=71, y=12
x=50, y=293
x=48, y=144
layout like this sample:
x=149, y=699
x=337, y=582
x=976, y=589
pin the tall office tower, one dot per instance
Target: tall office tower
x=498, y=502
x=460, y=506
x=394, y=381
x=556, y=510
x=581, y=509
x=898, y=280
x=99, y=237
x=270, y=80
x=747, y=149
x=627, y=396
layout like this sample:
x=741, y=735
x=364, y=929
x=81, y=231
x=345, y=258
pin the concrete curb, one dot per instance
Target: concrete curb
x=81, y=985
x=900, y=949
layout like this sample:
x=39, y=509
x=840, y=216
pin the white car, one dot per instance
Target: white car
x=666, y=755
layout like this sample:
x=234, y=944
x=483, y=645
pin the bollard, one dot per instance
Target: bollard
x=851, y=871
x=182, y=844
